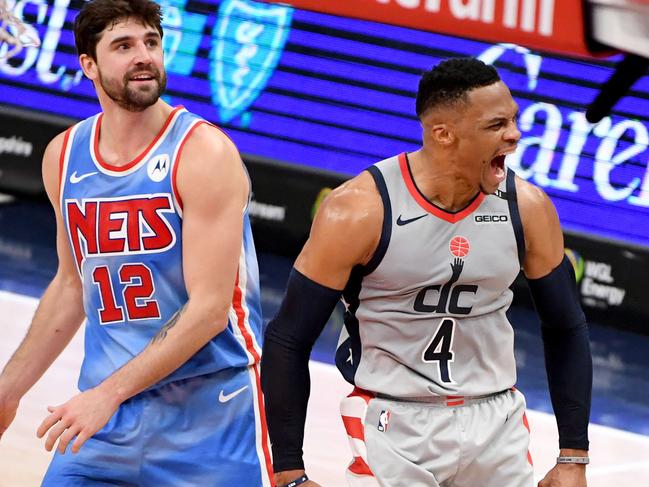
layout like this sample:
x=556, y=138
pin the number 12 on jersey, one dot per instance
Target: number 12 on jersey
x=137, y=292
x=439, y=349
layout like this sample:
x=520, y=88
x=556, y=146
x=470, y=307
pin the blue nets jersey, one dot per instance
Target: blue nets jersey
x=124, y=226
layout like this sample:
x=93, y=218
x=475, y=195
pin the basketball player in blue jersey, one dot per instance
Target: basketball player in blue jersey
x=423, y=247
x=155, y=252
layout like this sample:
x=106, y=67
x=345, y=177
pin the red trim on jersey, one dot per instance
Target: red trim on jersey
x=237, y=300
x=62, y=157
x=354, y=427
x=174, y=171
x=427, y=205
x=139, y=158
x=264, y=427
x=359, y=467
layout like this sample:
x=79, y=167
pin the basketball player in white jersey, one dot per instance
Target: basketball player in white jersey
x=422, y=247
x=156, y=254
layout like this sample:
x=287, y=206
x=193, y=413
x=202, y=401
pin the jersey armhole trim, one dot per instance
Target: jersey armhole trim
x=386, y=229
x=176, y=161
x=517, y=224
x=63, y=158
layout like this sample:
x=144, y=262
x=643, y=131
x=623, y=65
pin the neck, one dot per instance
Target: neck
x=437, y=176
x=124, y=134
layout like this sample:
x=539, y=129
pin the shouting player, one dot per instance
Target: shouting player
x=423, y=247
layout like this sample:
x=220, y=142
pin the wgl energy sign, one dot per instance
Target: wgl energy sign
x=338, y=94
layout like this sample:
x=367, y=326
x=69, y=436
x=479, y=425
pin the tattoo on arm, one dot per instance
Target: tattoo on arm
x=162, y=334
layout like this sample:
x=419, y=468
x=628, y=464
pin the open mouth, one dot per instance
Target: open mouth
x=498, y=166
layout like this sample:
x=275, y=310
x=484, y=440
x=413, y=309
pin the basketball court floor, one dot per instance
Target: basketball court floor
x=620, y=415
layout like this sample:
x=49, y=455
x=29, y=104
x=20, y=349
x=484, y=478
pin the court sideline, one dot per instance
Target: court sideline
x=617, y=456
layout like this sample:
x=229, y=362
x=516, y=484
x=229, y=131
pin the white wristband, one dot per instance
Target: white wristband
x=579, y=460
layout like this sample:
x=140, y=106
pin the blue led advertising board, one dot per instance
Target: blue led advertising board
x=338, y=94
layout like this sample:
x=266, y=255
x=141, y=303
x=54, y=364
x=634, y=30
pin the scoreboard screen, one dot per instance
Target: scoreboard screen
x=338, y=94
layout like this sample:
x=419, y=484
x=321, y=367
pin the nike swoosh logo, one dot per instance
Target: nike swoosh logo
x=232, y=395
x=74, y=179
x=401, y=222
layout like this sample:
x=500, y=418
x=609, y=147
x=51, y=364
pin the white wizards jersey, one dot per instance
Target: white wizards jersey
x=124, y=225
x=426, y=316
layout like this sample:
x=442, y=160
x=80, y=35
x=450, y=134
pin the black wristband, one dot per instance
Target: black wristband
x=296, y=482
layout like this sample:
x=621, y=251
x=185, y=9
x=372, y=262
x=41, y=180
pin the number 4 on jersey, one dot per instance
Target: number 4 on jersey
x=439, y=349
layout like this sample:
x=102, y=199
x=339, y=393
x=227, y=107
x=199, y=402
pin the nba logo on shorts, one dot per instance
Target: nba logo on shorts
x=384, y=419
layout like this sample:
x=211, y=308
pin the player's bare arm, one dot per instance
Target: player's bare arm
x=544, y=258
x=214, y=190
x=543, y=235
x=58, y=316
x=345, y=233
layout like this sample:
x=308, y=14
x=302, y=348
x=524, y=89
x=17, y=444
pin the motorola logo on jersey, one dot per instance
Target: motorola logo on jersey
x=487, y=218
x=118, y=226
x=448, y=295
x=158, y=167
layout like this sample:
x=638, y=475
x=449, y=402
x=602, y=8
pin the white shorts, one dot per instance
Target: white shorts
x=453, y=442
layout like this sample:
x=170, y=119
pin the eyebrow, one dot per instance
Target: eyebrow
x=148, y=35
x=499, y=119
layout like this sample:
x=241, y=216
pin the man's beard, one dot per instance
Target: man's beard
x=131, y=98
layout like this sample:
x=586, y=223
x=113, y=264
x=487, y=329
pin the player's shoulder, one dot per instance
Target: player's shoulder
x=348, y=223
x=353, y=210
x=531, y=199
x=53, y=151
x=209, y=140
x=51, y=166
x=55, y=146
x=538, y=215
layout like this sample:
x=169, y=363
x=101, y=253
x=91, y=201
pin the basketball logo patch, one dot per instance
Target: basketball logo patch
x=459, y=246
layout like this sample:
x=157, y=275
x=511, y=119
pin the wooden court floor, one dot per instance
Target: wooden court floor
x=618, y=458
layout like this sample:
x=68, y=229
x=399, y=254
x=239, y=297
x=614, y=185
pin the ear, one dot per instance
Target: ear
x=89, y=66
x=441, y=133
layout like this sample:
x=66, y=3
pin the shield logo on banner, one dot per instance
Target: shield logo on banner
x=248, y=41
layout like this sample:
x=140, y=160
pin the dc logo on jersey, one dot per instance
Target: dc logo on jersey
x=384, y=419
x=158, y=167
x=445, y=298
x=248, y=40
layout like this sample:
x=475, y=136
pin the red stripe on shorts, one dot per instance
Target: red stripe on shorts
x=527, y=427
x=354, y=427
x=362, y=393
x=359, y=467
x=264, y=428
x=237, y=300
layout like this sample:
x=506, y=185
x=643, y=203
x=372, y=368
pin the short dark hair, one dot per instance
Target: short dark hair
x=451, y=80
x=96, y=15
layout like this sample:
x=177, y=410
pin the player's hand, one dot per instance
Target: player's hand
x=283, y=478
x=8, y=408
x=80, y=417
x=565, y=475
